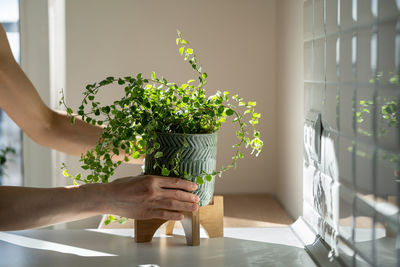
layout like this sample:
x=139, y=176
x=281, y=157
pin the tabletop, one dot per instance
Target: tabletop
x=116, y=247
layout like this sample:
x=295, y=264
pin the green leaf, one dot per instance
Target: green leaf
x=122, y=220
x=199, y=180
x=178, y=40
x=251, y=103
x=65, y=173
x=106, y=109
x=153, y=75
x=159, y=154
x=136, y=155
x=258, y=115
x=189, y=51
x=165, y=172
x=116, y=151
x=208, y=178
x=142, y=143
x=181, y=50
x=69, y=111
x=229, y=112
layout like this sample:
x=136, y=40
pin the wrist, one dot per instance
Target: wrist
x=95, y=197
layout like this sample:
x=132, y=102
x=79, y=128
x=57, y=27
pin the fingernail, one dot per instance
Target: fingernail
x=196, y=198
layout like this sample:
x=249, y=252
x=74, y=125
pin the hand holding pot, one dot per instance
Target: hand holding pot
x=148, y=197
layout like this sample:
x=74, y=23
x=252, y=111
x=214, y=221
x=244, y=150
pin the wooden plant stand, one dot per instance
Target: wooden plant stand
x=210, y=217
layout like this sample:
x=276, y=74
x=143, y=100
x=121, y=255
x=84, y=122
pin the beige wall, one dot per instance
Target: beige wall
x=235, y=40
x=289, y=184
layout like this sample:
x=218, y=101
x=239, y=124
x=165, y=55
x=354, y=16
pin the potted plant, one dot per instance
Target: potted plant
x=174, y=125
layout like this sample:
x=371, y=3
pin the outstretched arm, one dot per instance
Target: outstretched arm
x=20, y=100
x=142, y=197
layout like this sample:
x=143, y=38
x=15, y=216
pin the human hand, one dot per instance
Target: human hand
x=148, y=197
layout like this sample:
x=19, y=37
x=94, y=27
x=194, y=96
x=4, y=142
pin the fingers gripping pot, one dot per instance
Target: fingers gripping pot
x=198, y=155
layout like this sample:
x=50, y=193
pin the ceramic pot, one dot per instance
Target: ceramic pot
x=199, y=155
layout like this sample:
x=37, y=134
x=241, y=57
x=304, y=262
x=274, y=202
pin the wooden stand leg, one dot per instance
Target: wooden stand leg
x=191, y=226
x=212, y=217
x=170, y=228
x=145, y=229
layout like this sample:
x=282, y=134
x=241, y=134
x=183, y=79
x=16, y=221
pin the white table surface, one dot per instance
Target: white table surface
x=116, y=247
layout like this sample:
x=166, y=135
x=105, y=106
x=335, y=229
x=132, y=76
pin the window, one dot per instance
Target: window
x=10, y=134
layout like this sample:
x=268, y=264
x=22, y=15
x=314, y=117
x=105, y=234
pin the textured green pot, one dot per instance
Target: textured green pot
x=199, y=155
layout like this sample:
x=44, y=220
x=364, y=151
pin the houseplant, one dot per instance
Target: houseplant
x=172, y=124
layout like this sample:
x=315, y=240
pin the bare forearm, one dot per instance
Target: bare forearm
x=73, y=139
x=20, y=100
x=77, y=138
x=27, y=207
x=142, y=197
